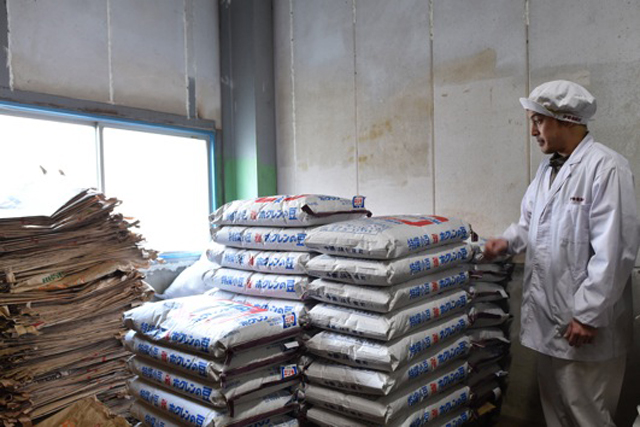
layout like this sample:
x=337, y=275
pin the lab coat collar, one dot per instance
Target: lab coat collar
x=565, y=171
x=581, y=149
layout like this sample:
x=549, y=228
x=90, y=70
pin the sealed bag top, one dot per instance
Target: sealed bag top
x=290, y=211
x=387, y=237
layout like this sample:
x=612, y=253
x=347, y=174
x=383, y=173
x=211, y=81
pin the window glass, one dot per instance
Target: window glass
x=162, y=181
x=31, y=148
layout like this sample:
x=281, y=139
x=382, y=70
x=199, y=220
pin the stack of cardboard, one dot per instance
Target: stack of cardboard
x=65, y=279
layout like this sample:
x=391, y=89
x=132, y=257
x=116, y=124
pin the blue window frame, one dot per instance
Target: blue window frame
x=107, y=130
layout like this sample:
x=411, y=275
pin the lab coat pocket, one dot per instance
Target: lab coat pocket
x=575, y=239
x=574, y=226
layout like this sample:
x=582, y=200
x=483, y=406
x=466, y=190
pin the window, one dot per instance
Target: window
x=30, y=148
x=161, y=174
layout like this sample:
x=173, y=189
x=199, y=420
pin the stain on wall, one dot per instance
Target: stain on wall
x=479, y=66
x=394, y=105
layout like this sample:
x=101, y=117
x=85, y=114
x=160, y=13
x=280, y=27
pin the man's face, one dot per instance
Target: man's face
x=548, y=132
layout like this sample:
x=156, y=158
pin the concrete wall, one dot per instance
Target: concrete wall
x=248, y=97
x=149, y=55
x=414, y=104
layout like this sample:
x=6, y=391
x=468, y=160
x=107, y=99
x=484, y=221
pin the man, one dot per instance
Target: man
x=579, y=227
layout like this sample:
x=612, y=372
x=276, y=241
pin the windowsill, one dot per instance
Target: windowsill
x=173, y=260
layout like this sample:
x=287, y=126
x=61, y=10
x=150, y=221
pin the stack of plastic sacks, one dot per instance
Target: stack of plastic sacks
x=489, y=332
x=393, y=349
x=205, y=362
x=66, y=276
x=261, y=256
x=259, y=245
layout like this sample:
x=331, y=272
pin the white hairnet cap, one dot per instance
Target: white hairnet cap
x=562, y=100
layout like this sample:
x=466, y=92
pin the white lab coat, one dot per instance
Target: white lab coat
x=581, y=238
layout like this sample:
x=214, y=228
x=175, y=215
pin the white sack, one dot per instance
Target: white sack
x=438, y=406
x=487, y=314
x=359, y=380
x=386, y=409
x=488, y=373
x=481, y=357
x=205, y=325
x=387, y=237
x=384, y=299
x=290, y=287
x=220, y=393
x=391, y=325
x=455, y=419
x=485, y=336
x=275, y=305
x=392, y=272
x=385, y=356
x=190, y=281
x=195, y=414
x=480, y=244
x=326, y=418
x=261, y=238
x=275, y=262
x=211, y=369
x=276, y=421
x=153, y=418
x=487, y=272
x=485, y=291
x=289, y=211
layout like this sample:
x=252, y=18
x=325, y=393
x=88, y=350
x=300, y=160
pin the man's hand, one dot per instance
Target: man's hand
x=578, y=333
x=494, y=248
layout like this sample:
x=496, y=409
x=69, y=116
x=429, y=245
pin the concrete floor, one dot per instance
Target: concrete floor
x=512, y=422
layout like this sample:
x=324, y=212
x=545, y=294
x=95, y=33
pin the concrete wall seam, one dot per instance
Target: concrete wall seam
x=355, y=94
x=432, y=116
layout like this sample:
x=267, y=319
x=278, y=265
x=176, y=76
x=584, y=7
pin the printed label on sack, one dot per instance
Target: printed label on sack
x=151, y=420
x=436, y=386
x=197, y=391
x=459, y=420
x=288, y=320
x=181, y=412
x=451, y=403
x=430, y=263
x=437, y=286
x=447, y=331
x=289, y=371
x=358, y=202
x=459, y=349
